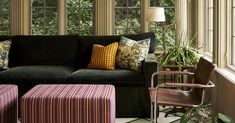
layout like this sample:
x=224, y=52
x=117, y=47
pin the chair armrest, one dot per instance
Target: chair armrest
x=149, y=67
x=168, y=73
x=173, y=73
x=191, y=85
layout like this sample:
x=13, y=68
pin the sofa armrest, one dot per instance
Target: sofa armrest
x=149, y=67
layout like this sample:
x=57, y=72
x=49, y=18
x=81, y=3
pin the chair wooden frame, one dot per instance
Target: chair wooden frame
x=154, y=91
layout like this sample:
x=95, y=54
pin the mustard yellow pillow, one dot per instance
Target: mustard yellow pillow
x=103, y=57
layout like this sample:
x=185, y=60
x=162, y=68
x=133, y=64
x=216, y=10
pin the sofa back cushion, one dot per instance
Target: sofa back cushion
x=3, y=37
x=43, y=50
x=86, y=43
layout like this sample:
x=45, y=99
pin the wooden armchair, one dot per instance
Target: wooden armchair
x=164, y=95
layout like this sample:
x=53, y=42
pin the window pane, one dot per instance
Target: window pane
x=233, y=21
x=37, y=21
x=44, y=17
x=210, y=3
x=4, y=3
x=72, y=23
x=208, y=46
x=120, y=21
x=127, y=17
x=50, y=17
x=163, y=3
x=170, y=15
x=233, y=36
x=134, y=21
x=134, y=3
x=51, y=21
x=157, y=29
x=4, y=17
x=36, y=3
x=121, y=3
x=80, y=17
x=210, y=19
x=210, y=43
x=86, y=22
x=51, y=3
x=233, y=51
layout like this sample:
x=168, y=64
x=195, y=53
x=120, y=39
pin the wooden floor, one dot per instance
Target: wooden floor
x=161, y=118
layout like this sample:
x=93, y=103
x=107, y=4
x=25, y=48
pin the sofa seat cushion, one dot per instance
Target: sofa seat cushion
x=114, y=77
x=42, y=74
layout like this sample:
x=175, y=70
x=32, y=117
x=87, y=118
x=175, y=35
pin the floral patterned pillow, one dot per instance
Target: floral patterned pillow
x=4, y=51
x=131, y=53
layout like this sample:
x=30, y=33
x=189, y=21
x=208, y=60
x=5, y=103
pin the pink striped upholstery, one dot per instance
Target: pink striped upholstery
x=69, y=104
x=8, y=103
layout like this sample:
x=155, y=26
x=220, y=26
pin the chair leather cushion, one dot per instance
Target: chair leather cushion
x=173, y=97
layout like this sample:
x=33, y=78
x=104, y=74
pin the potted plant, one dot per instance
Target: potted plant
x=181, y=54
x=204, y=114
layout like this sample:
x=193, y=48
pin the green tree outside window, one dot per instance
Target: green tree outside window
x=44, y=17
x=5, y=17
x=80, y=17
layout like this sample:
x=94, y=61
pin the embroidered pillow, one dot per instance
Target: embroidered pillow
x=103, y=57
x=4, y=52
x=131, y=53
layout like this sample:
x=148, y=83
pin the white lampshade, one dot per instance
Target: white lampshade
x=156, y=14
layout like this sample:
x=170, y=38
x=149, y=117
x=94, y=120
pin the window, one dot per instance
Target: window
x=5, y=17
x=127, y=16
x=169, y=24
x=80, y=17
x=44, y=17
x=209, y=27
x=233, y=35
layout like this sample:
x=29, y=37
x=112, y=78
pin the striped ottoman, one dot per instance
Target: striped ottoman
x=69, y=104
x=8, y=103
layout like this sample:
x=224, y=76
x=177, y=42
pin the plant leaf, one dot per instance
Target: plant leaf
x=224, y=118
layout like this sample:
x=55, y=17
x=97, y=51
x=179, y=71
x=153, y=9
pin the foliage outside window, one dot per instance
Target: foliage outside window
x=157, y=28
x=80, y=17
x=4, y=17
x=127, y=16
x=44, y=17
x=209, y=29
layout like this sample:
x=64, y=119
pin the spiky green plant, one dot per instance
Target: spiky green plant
x=181, y=54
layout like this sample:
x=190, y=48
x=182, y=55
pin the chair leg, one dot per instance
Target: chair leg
x=174, y=110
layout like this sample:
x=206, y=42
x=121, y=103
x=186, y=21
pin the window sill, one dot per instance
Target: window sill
x=227, y=73
x=206, y=55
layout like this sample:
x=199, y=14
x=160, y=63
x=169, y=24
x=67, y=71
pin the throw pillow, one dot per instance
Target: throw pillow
x=131, y=53
x=103, y=57
x=4, y=52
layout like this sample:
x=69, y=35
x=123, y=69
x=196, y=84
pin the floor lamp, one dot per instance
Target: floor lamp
x=157, y=14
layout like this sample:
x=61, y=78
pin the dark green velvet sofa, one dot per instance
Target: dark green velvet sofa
x=63, y=60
